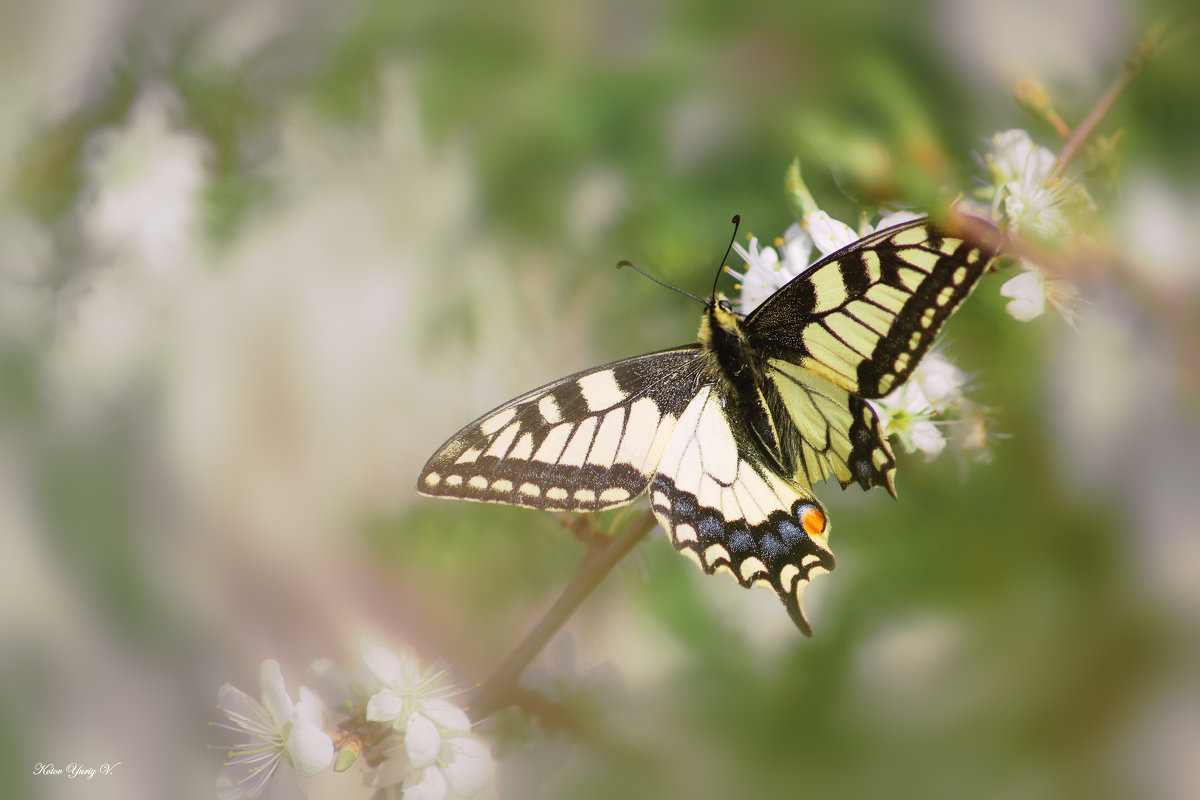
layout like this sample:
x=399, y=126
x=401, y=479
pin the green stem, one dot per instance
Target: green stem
x=498, y=692
x=799, y=198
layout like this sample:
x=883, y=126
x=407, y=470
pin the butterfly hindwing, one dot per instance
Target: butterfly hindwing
x=582, y=443
x=864, y=316
x=826, y=430
x=726, y=508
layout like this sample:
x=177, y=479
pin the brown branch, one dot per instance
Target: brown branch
x=497, y=693
x=1173, y=311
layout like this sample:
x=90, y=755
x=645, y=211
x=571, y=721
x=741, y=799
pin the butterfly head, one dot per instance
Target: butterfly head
x=719, y=316
x=721, y=329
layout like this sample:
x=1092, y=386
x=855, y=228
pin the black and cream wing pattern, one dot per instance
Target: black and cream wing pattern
x=585, y=442
x=728, y=436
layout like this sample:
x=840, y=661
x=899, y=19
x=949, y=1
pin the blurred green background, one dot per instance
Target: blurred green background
x=258, y=259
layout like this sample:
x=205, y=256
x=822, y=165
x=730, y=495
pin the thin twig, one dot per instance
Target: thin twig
x=1136, y=62
x=497, y=692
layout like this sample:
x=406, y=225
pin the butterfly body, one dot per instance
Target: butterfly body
x=728, y=436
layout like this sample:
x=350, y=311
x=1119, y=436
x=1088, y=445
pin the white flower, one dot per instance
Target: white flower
x=144, y=182
x=441, y=754
x=1026, y=192
x=284, y=743
x=765, y=272
x=941, y=382
x=908, y=414
x=1029, y=292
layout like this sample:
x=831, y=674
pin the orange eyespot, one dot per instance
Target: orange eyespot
x=813, y=521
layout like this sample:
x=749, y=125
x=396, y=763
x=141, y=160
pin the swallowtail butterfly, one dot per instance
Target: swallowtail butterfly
x=729, y=435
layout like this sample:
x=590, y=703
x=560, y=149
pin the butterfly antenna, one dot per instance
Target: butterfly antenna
x=644, y=274
x=737, y=220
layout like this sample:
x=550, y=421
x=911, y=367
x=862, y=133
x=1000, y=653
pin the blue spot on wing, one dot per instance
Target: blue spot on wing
x=741, y=542
x=790, y=533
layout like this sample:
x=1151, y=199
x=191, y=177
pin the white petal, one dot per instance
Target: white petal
x=752, y=296
x=1028, y=294
x=282, y=784
x=743, y=253
x=927, y=438
x=890, y=403
x=390, y=668
x=1039, y=163
x=915, y=401
x=231, y=698
x=896, y=218
x=393, y=770
x=797, y=251
x=309, y=707
x=756, y=257
x=1010, y=151
x=422, y=740
x=431, y=786
x=1025, y=309
x=446, y=714
x=827, y=233
x=940, y=380
x=469, y=766
x=384, y=706
x=1027, y=283
x=310, y=748
x=274, y=693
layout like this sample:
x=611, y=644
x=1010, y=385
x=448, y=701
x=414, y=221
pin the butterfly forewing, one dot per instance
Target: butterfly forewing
x=864, y=316
x=582, y=443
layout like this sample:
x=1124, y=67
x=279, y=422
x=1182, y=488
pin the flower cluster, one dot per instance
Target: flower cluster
x=398, y=718
x=1027, y=193
x=440, y=755
x=282, y=741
